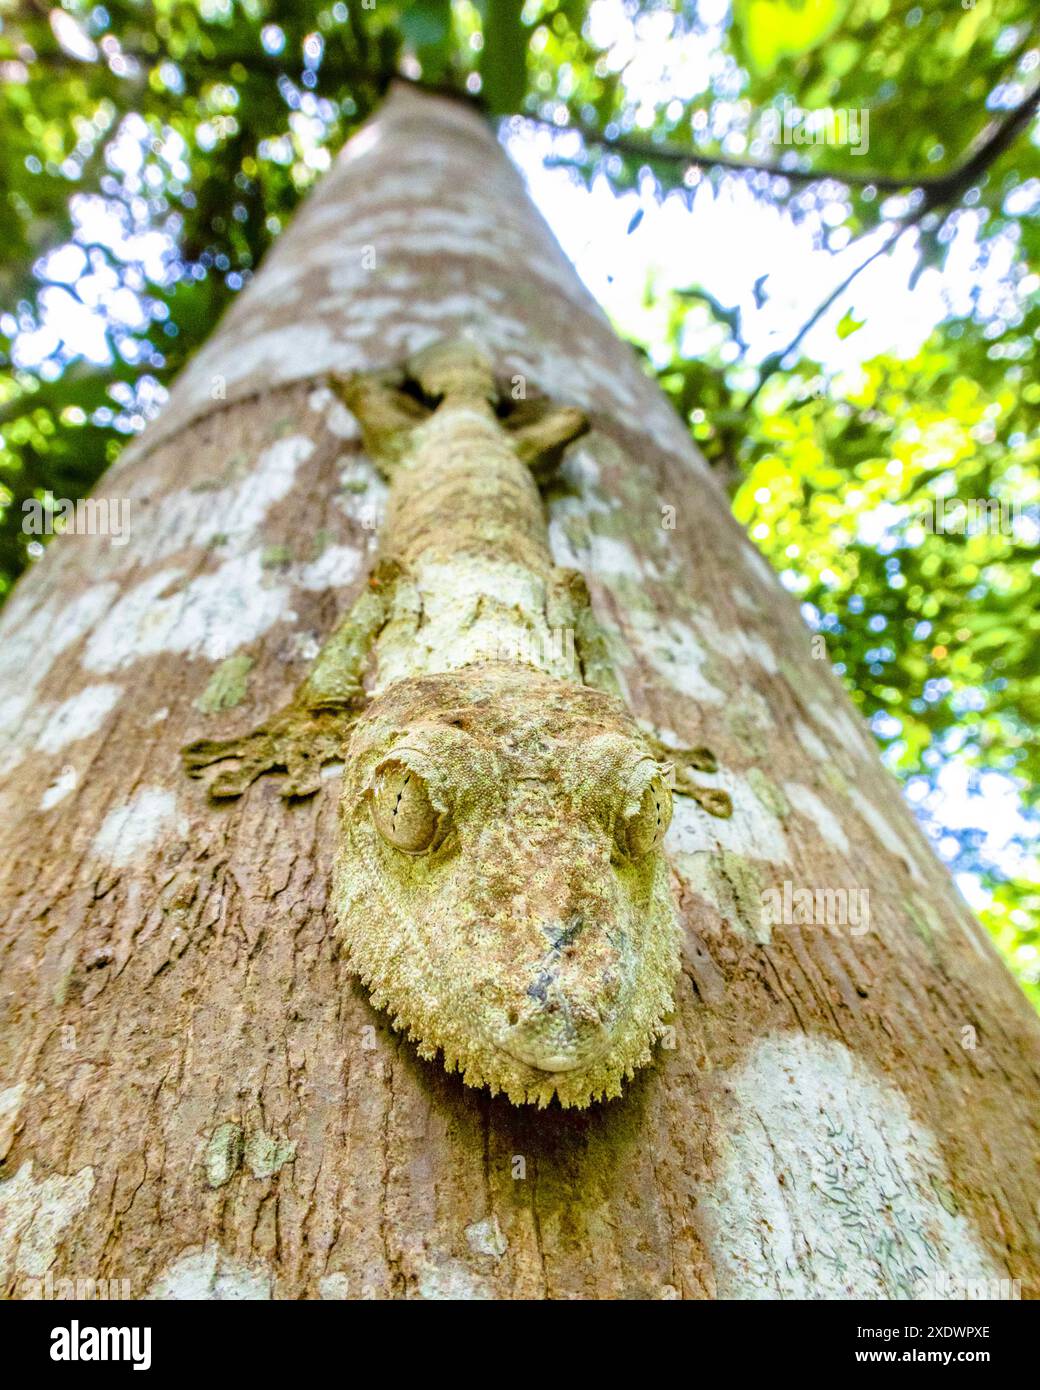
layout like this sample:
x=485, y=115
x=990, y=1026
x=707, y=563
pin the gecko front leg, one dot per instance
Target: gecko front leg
x=312, y=729
x=597, y=670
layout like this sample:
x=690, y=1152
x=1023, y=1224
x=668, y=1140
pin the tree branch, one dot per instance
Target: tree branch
x=997, y=137
x=937, y=188
x=673, y=154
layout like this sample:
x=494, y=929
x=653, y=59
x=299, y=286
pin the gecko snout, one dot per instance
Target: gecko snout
x=556, y=1037
x=563, y=1021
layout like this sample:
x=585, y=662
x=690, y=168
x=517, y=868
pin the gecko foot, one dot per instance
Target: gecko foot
x=711, y=799
x=683, y=763
x=297, y=740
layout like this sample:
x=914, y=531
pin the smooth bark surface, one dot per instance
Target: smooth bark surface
x=196, y=1098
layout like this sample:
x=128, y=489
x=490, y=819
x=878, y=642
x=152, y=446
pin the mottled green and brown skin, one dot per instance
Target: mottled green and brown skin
x=500, y=884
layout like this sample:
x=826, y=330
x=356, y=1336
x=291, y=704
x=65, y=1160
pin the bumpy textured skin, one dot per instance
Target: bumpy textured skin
x=525, y=947
x=499, y=885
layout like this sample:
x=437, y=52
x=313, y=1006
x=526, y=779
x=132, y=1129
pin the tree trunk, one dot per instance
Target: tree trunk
x=195, y=1096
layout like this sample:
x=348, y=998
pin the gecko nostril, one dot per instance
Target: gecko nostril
x=539, y=989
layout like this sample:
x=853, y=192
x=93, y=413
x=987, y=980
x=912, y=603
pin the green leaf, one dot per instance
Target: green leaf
x=503, y=59
x=426, y=23
x=775, y=29
x=849, y=324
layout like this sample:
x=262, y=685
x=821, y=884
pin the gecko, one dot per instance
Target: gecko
x=499, y=883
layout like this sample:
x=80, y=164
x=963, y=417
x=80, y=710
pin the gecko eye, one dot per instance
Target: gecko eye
x=645, y=826
x=402, y=809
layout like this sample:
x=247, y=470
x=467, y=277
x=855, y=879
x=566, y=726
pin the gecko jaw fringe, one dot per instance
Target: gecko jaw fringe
x=493, y=1069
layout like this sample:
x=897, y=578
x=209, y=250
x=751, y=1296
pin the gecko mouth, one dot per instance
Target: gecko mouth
x=546, y=1050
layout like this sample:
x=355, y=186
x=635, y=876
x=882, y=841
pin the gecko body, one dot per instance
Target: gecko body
x=499, y=883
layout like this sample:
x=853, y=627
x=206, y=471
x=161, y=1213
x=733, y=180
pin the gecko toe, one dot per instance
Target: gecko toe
x=713, y=800
x=236, y=780
x=204, y=752
x=304, y=779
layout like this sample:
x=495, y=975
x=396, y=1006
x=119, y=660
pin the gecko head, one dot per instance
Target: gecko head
x=500, y=885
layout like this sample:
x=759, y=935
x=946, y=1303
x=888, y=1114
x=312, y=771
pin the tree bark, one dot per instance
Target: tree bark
x=196, y=1098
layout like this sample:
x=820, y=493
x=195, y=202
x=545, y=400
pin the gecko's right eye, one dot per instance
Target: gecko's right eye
x=403, y=811
x=646, y=824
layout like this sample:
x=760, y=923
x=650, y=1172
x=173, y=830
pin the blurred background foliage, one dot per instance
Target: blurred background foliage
x=153, y=149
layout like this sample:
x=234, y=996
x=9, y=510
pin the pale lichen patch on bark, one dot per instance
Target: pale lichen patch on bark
x=753, y=830
x=11, y=1098
x=65, y=782
x=223, y=1154
x=227, y=685
x=212, y=1275
x=335, y=568
x=363, y=493
x=133, y=830
x=582, y=521
x=671, y=648
x=767, y=791
x=886, y=833
x=805, y=800
x=849, y=733
x=486, y=1238
x=744, y=600
x=757, y=565
x=733, y=886
x=32, y=640
x=266, y=1153
x=609, y=558
x=33, y=643
x=923, y=918
x=228, y=510
x=826, y=1184
x=338, y=419
x=444, y=1279
x=749, y=720
x=34, y=1215
x=739, y=646
x=42, y=726
x=78, y=717
x=210, y=616
x=811, y=742
x=286, y=352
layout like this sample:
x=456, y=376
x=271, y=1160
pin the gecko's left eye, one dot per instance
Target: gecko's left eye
x=403, y=809
x=644, y=825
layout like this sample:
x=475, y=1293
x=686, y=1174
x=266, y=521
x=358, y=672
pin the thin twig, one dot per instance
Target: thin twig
x=775, y=359
x=998, y=136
